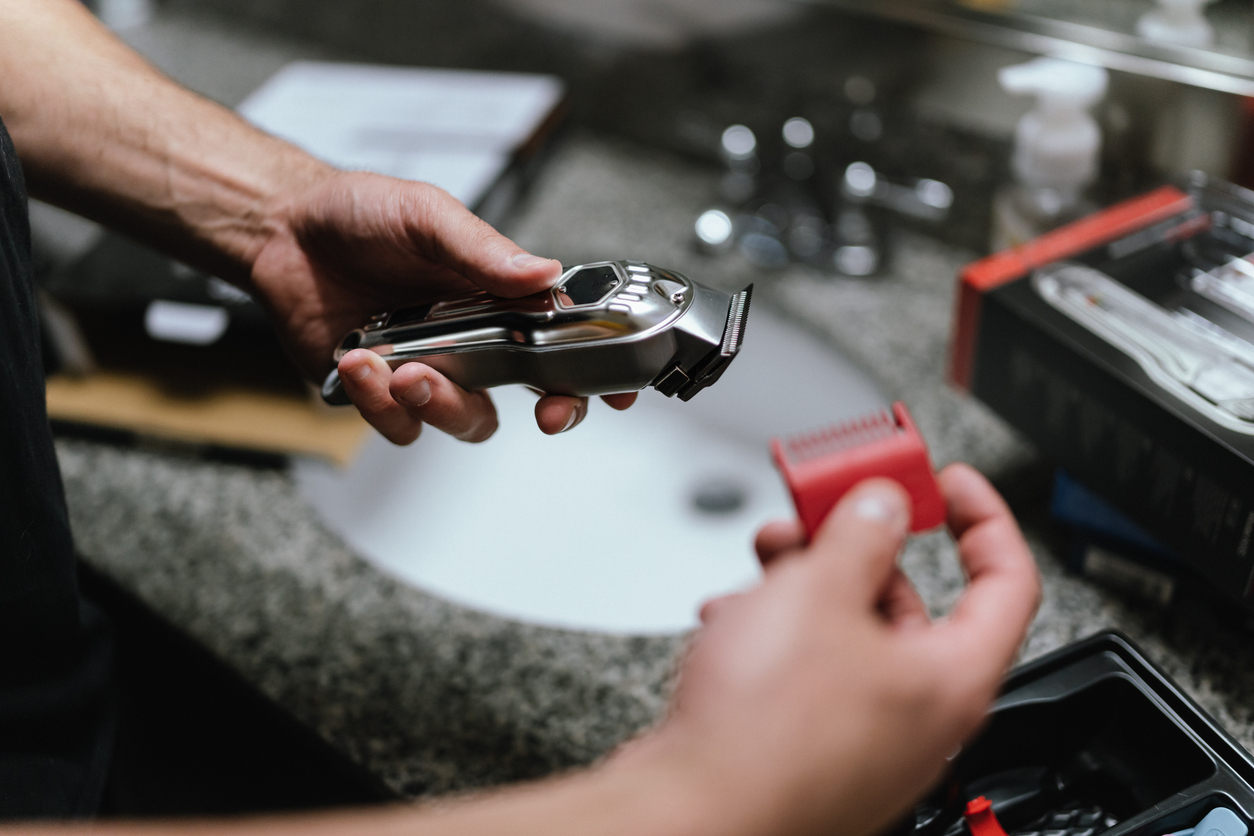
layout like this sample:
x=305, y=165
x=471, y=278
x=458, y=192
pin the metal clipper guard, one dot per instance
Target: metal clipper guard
x=609, y=326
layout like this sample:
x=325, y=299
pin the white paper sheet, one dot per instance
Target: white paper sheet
x=454, y=128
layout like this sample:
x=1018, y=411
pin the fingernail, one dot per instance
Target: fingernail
x=418, y=393
x=526, y=261
x=879, y=505
x=361, y=372
x=573, y=420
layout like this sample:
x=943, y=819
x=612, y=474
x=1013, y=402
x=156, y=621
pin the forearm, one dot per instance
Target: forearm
x=102, y=133
x=607, y=801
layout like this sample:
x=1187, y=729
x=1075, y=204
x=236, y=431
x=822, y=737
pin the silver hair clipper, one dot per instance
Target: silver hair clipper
x=606, y=327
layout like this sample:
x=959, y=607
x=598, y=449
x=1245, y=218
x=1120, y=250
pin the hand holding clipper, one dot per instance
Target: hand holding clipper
x=607, y=327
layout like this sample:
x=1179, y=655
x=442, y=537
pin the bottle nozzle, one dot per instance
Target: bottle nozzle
x=1178, y=22
x=1056, y=81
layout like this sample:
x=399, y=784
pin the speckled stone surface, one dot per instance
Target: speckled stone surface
x=430, y=696
x=433, y=697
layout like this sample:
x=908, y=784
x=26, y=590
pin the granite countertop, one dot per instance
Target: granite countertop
x=433, y=697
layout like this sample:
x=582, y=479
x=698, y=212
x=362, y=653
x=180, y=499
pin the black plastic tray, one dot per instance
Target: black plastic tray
x=1096, y=725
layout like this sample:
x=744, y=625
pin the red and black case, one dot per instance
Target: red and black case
x=1092, y=407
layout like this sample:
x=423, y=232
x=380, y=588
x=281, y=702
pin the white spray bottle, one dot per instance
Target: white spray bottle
x=1056, y=148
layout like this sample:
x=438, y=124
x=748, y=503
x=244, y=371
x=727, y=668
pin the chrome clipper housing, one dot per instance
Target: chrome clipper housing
x=606, y=327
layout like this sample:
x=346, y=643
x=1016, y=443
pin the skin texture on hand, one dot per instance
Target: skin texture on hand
x=826, y=699
x=357, y=244
x=102, y=133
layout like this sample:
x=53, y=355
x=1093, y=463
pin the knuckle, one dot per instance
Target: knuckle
x=365, y=400
x=966, y=702
x=423, y=205
x=482, y=429
x=940, y=696
x=915, y=695
x=402, y=436
x=968, y=716
x=377, y=405
x=478, y=236
x=934, y=688
x=910, y=687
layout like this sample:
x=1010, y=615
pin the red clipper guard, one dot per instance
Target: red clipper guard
x=821, y=466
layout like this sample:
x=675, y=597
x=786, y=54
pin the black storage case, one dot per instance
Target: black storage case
x=1096, y=724
x=1091, y=407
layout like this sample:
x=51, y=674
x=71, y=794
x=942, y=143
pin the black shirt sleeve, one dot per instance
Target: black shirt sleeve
x=55, y=726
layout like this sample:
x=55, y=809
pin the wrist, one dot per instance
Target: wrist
x=226, y=197
x=136, y=152
x=257, y=203
x=680, y=790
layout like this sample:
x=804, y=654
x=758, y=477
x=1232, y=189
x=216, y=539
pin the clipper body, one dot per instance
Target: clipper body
x=610, y=326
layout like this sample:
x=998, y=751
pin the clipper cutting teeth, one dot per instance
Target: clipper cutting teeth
x=811, y=445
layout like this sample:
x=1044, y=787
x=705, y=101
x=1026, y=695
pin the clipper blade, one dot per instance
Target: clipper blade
x=716, y=362
x=821, y=466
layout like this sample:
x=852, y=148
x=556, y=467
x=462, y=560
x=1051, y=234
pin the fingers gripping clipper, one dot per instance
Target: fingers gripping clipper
x=609, y=326
x=820, y=467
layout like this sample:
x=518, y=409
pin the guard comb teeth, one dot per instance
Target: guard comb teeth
x=821, y=466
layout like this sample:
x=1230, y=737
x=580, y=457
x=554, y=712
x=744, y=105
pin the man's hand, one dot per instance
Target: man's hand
x=351, y=245
x=825, y=700
x=103, y=134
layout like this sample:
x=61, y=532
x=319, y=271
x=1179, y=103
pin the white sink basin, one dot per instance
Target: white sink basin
x=625, y=524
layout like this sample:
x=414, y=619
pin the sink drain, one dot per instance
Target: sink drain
x=719, y=497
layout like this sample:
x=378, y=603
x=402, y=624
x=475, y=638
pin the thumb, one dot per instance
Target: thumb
x=859, y=541
x=470, y=246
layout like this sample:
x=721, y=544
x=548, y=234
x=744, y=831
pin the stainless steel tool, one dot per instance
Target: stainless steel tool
x=608, y=326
